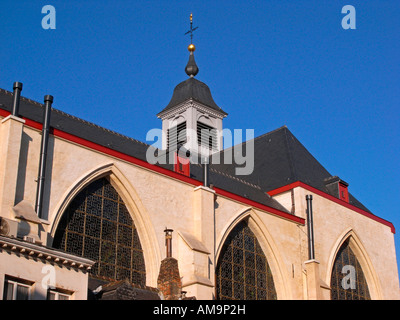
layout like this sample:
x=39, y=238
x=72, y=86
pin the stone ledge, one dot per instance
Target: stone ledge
x=45, y=254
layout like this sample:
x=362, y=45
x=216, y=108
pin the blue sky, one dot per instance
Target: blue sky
x=267, y=63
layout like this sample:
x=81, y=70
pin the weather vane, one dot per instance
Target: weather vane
x=191, y=29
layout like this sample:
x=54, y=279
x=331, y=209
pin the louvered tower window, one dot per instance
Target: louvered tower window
x=176, y=136
x=242, y=271
x=207, y=136
x=98, y=226
x=348, y=280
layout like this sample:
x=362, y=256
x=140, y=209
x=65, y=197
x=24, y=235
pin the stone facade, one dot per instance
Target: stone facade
x=202, y=218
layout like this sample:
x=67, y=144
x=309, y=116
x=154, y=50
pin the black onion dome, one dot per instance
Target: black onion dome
x=191, y=68
x=192, y=89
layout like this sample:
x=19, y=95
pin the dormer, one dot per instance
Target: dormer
x=337, y=188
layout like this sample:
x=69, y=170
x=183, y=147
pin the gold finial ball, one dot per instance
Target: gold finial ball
x=191, y=47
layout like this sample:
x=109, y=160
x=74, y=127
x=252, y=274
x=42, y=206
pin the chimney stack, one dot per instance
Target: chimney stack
x=17, y=87
x=168, y=241
x=169, y=281
x=310, y=228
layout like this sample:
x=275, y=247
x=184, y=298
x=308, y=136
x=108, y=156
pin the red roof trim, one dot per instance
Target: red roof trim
x=260, y=206
x=332, y=198
x=145, y=164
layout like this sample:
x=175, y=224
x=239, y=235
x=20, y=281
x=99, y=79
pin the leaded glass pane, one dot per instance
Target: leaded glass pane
x=93, y=226
x=348, y=280
x=77, y=220
x=89, y=252
x=243, y=272
x=124, y=235
x=110, y=192
x=98, y=226
x=124, y=216
x=110, y=209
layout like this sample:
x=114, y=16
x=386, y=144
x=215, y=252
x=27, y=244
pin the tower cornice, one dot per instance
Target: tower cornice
x=182, y=107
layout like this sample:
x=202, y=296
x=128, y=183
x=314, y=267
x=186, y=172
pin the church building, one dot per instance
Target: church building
x=86, y=215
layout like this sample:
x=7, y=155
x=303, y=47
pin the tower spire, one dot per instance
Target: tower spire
x=191, y=67
x=191, y=30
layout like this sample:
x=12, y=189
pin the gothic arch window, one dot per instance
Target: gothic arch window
x=347, y=279
x=243, y=272
x=97, y=225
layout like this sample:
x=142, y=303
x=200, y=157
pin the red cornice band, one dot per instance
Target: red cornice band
x=166, y=172
x=221, y=192
x=332, y=198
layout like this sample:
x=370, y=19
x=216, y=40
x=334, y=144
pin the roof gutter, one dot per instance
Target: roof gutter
x=310, y=228
x=48, y=100
x=144, y=164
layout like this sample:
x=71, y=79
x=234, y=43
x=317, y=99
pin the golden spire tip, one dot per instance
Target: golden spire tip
x=191, y=47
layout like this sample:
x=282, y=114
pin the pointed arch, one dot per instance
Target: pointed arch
x=137, y=212
x=265, y=240
x=350, y=237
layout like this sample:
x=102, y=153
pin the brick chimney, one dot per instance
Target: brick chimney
x=169, y=281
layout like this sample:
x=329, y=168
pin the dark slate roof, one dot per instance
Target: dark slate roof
x=236, y=185
x=280, y=159
x=60, y=120
x=115, y=141
x=192, y=89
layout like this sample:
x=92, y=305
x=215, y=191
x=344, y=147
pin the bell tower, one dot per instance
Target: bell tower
x=192, y=119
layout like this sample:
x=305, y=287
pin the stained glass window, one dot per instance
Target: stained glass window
x=348, y=280
x=98, y=226
x=243, y=272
